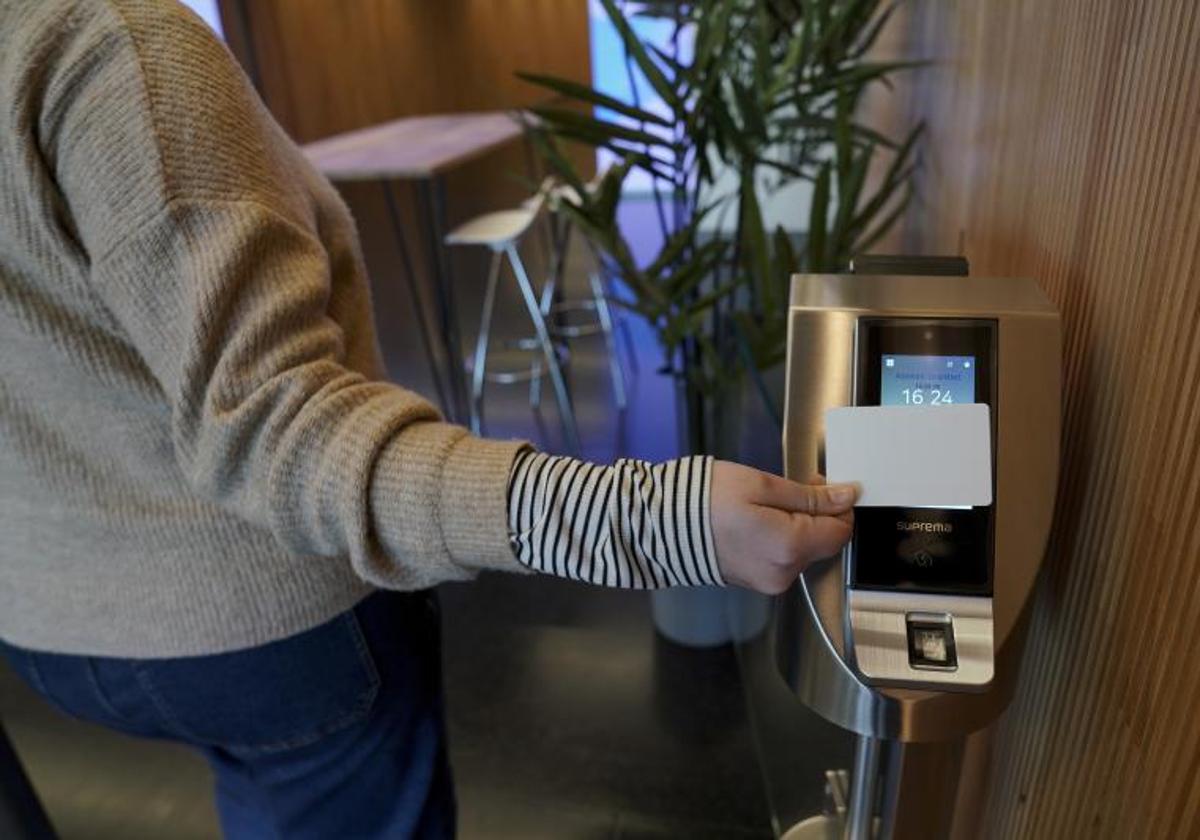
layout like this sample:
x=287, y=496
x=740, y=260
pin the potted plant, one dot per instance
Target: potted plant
x=749, y=97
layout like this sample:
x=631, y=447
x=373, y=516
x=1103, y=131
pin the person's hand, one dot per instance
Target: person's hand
x=768, y=529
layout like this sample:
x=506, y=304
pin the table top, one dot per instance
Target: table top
x=411, y=147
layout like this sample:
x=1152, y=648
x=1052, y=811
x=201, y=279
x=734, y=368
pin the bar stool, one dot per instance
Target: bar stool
x=552, y=194
x=501, y=231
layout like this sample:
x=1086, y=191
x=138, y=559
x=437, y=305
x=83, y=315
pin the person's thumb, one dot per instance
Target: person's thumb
x=813, y=499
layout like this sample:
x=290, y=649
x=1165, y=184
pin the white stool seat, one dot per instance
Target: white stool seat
x=495, y=230
x=554, y=196
x=553, y=193
x=501, y=231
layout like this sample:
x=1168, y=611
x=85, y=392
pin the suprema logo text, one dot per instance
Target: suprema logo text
x=927, y=527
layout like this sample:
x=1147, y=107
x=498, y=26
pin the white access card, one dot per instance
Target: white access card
x=912, y=456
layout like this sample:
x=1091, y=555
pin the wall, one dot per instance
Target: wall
x=328, y=67
x=1065, y=145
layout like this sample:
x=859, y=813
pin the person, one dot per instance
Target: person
x=220, y=524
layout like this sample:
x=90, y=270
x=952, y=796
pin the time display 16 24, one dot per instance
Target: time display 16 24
x=927, y=380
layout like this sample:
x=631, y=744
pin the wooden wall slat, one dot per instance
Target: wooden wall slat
x=1064, y=143
x=327, y=67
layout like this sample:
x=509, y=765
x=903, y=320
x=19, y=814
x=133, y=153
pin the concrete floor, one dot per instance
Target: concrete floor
x=569, y=716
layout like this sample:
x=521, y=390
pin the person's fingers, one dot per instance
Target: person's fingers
x=820, y=536
x=799, y=539
x=820, y=499
x=768, y=529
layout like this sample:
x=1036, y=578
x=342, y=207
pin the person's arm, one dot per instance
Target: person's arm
x=689, y=522
x=232, y=278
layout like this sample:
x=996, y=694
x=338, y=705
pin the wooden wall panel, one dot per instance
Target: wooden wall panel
x=327, y=66
x=1065, y=145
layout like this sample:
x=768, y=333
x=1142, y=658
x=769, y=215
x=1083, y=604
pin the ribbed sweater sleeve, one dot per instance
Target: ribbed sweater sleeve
x=229, y=306
x=233, y=271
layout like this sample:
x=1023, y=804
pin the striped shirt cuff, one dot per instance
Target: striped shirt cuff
x=632, y=525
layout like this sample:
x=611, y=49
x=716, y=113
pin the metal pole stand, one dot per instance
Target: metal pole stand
x=849, y=814
x=21, y=814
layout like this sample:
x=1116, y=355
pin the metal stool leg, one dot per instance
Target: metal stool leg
x=559, y=235
x=481, y=345
x=623, y=323
x=606, y=326
x=558, y=248
x=570, y=429
x=562, y=230
x=630, y=349
x=535, y=383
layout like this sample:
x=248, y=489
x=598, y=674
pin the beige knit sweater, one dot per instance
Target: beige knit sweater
x=197, y=452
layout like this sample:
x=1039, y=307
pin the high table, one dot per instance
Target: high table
x=421, y=150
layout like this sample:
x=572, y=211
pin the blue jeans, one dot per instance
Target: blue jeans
x=335, y=732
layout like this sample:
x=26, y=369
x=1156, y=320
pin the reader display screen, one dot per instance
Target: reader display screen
x=926, y=380
x=924, y=362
